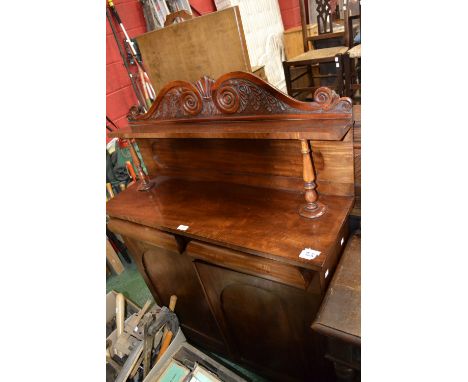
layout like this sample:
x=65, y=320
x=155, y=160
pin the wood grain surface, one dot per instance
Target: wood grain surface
x=293, y=41
x=340, y=313
x=262, y=321
x=113, y=259
x=212, y=44
x=222, y=213
x=263, y=163
x=238, y=96
x=221, y=228
x=357, y=159
x=319, y=129
x=264, y=268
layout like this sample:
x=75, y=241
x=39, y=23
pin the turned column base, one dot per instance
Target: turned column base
x=144, y=185
x=312, y=210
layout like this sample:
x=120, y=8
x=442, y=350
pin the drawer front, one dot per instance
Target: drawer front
x=254, y=265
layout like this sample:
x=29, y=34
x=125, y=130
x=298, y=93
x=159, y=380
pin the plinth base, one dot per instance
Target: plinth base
x=313, y=210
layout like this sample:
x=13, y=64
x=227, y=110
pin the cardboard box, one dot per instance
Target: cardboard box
x=184, y=351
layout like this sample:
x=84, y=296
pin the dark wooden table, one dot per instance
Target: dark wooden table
x=357, y=159
x=339, y=318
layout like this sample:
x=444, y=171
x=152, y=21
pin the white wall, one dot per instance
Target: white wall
x=263, y=29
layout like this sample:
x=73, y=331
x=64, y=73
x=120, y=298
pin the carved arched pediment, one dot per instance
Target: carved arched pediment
x=238, y=95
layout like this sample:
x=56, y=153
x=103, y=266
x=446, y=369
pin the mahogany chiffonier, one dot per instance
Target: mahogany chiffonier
x=243, y=215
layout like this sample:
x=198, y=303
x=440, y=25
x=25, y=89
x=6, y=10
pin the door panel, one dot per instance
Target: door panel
x=265, y=322
x=170, y=272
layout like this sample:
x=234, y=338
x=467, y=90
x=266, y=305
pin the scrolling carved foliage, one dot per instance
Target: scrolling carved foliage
x=237, y=95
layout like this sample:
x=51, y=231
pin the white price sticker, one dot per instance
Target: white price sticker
x=309, y=253
x=183, y=227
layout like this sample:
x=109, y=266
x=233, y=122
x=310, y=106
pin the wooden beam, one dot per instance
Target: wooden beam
x=113, y=259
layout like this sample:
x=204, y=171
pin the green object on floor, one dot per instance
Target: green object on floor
x=130, y=284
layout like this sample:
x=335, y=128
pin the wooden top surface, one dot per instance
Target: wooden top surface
x=260, y=221
x=340, y=313
x=315, y=129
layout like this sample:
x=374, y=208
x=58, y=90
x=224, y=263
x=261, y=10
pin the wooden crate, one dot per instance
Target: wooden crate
x=260, y=72
x=293, y=42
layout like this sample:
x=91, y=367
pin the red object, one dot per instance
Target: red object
x=290, y=13
x=203, y=6
x=131, y=171
x=119, y=92
x=123, y=143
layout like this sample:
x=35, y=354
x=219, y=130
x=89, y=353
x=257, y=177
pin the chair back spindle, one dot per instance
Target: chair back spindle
x=324, y=16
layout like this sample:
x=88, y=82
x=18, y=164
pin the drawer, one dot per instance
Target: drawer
x=253, y=265
x=145, y=234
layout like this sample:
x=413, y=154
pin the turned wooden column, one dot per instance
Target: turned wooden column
x=313, y=208
x=144, y=184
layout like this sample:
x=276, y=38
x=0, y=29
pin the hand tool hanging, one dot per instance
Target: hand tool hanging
x=112, y=123
x=138, y=92
x=146, y=87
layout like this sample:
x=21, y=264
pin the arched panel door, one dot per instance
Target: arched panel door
x=169, y=272
x=266, y=323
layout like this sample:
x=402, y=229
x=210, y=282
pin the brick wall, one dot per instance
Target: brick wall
x=119, y=93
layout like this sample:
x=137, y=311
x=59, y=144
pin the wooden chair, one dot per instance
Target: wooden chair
x=352, y=58
x=323, y=64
